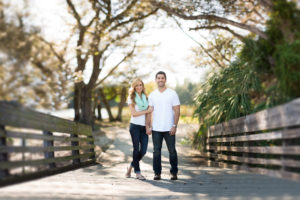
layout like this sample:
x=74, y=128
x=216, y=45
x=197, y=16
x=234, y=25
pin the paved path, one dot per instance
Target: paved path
x=106, y=180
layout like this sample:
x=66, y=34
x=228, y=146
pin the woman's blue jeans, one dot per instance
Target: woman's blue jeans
x=157, y=138
x=140, y=144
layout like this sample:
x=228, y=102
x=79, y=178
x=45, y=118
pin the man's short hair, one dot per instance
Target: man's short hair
x=161, y=72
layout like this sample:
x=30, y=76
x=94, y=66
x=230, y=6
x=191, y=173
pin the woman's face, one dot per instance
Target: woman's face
x=139, y=87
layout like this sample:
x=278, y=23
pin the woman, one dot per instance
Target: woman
x=138, y=106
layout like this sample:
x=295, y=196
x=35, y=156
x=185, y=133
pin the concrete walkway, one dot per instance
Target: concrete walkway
x=106, y=180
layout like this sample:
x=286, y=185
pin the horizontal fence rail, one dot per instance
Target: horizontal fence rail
x=34, y=144
x=266, y=142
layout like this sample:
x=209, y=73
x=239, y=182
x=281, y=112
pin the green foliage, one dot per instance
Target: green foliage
x=227, y=95
x=255, y=55
x=265, y=73
x=284, y=38
x=186, y=92
x=287, y=68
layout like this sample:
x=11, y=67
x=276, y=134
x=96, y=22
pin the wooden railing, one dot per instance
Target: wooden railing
x=33, y=144
x=266, y=142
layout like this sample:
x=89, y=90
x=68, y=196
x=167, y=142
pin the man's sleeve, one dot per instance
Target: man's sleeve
x=176, y=101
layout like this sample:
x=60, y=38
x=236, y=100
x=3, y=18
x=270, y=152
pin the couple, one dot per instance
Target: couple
x=165, y=105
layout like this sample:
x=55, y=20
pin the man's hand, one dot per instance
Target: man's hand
x=148, y=131
x=173, y=131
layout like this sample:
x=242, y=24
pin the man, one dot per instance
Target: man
x=166, y=111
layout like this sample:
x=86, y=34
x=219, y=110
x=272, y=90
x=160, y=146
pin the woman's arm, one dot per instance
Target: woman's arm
x=135, y=113
x=148, y=122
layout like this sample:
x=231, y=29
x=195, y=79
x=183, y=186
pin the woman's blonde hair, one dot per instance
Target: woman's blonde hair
x=134, y=83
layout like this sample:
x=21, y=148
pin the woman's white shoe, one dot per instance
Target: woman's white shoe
x=140, y=177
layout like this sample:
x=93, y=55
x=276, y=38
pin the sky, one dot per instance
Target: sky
x=172, y=54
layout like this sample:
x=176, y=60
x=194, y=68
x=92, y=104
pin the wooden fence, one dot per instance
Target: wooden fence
x=33, y=144
x=266, y=142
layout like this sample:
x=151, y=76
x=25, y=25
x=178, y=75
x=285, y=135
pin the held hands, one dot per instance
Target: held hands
x=148, y=130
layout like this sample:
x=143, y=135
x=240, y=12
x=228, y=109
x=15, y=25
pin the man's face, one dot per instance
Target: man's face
x=160, y=80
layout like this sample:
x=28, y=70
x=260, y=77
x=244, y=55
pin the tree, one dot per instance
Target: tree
x=218, y=51
x=249, y=15
x=115, y=90
x=102, y=27
x=226, y=23
x=32, y=70
x=262, y=75
x=186, y=92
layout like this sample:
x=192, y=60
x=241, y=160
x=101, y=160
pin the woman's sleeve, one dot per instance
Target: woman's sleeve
x=129, y=100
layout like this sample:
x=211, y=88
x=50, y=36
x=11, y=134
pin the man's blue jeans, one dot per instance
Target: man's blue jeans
x=157, y=138
x=140, y=144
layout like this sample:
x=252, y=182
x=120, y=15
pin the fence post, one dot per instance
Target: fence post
x=245, y=155
x=23, y=144
x=75, y=152
x=284, y=144
x=49, y=143
x=3, y=156
x=211, y=160
x=92, y=149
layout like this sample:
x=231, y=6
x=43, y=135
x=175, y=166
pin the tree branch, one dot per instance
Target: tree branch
x=125, y=11
x=266, y=4
x=74, y=11
x=210, y=18
x=59, y=57
x=133, y=19
x=240, y=37
x=201, y=46
x=116, y=66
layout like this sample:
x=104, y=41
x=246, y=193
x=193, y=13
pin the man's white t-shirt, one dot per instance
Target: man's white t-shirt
x=139, y=120
x=163, y=114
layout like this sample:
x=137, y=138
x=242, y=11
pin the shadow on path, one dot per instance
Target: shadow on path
x=106, y=180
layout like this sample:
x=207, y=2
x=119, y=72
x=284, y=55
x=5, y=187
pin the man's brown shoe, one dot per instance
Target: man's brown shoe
x=174, y=177
x=157, y=177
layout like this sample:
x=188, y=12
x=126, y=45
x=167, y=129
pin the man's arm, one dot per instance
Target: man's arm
x=176, y=119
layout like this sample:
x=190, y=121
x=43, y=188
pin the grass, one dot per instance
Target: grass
x=186, y=114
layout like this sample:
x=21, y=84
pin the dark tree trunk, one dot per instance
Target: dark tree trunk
x=122, y=103
x=106, y=104
x=99, y=107
x=86, y=105
x=77, y=100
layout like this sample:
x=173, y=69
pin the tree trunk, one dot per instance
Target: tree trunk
x=122, y=103
x=86, y=105
x=99, y=107
x=77, y=101
x=106, y=104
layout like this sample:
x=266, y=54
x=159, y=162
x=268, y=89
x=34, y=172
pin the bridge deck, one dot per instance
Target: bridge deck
x=196, y=181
